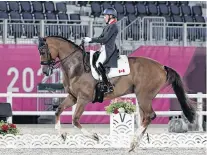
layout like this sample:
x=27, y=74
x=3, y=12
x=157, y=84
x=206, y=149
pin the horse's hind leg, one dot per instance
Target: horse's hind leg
x=69, y=101
x=147, y=115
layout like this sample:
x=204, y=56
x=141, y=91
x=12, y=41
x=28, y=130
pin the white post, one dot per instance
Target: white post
x=184, y=34
x=9, y=100
x=200, y=109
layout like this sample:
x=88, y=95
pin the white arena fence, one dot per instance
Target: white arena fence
x=9, y=95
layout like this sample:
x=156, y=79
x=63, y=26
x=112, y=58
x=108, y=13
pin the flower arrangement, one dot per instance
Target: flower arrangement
x=120, y=105
x=8, y=128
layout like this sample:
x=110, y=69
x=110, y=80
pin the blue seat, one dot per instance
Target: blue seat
x=188, y=19
x=25, y=6
x=16, y=29
x=96, y=9
x=141, y=9
x=185, y=10
x=29, y=29
x=37, y=6
x=131, y=18
x=39, y=16
x=4, y=15
x=164, y=10
x=27, y=17
x=3, y=6
x=120, y=16
x=62, y=16
x=13, y=6
x=174, y=10
x=119, y=8
x=197, y=11
x=61, y=7
x=199, y=19
x=51, y=29
x=106, y=5
x=162, y=2
x=152, y=9
x=49, y=6
x=65, y=30
x=51, y=17
x=77, y=30
x=130, y=9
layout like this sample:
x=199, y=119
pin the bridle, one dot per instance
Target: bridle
x=50, y=62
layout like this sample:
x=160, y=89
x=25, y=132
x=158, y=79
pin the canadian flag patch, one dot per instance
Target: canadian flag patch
x=121, y=70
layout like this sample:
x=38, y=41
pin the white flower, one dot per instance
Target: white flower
x=121, y=110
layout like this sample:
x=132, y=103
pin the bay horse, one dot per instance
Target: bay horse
x=145, y=79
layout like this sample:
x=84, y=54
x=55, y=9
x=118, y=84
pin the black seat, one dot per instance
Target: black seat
x=51, y=17
x=37, y=6
x=13, y=6
x=62, y=16
x=188, y=19
x=61, y=7
x=185, y=10
x=25, y=6
x=96, y=9
x=199, y=19
x=82, y=3
x=3, y=6
x=28, y=18
x=49, y=6
x=173, y=3
x=164, y=10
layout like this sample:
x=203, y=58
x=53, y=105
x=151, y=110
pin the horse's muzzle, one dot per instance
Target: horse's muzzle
x=47, y=70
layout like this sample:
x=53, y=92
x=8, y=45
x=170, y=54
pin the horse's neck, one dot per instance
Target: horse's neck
x=73, y=65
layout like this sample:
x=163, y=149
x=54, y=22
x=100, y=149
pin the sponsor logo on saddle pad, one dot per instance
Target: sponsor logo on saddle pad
x=122, y=69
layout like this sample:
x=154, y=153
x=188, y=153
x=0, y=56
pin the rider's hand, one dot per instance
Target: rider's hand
x=87, y=39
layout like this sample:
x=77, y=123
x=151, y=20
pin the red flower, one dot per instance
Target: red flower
x=13, y=126
x=4, y=127
x=116, y=111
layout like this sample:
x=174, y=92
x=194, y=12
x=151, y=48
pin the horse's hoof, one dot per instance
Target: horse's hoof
x=64, y=136
x=95, y=137
x=132, y=147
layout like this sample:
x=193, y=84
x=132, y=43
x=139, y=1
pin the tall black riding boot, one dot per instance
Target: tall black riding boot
x=105, y=79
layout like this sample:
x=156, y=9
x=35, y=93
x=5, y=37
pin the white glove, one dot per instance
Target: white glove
x=87, y=39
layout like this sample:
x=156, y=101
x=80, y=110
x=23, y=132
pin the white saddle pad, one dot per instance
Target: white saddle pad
x=122, y=69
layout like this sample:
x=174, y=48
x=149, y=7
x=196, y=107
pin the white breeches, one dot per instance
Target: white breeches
x=102, y=56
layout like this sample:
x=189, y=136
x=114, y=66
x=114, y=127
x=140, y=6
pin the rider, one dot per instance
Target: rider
x=107, y=40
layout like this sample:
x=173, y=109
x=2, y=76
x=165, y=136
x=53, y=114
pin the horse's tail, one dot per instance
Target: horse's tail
x=174, y=78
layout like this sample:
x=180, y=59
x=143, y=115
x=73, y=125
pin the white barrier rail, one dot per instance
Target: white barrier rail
x=9, y=95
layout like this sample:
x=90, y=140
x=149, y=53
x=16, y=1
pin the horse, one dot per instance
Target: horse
x=144, y=77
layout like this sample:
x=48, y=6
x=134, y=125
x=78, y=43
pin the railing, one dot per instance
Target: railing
x=9, y=95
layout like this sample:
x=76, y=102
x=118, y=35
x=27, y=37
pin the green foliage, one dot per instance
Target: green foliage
x=8, y=128
x=118, y=105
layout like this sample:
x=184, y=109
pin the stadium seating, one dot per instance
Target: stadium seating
x=27, y=12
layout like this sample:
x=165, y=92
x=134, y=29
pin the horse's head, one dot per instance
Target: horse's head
x=48, y=54
x=52, y=47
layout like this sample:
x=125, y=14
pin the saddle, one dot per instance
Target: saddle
x=122, y=69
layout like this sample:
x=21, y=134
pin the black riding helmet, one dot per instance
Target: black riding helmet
x=110, y=11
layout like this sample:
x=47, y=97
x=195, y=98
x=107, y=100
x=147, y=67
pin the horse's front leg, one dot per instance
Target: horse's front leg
x=76, y=118
x=69, y=101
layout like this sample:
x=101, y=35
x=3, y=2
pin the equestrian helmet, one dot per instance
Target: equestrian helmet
x=110, y=11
